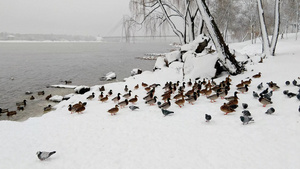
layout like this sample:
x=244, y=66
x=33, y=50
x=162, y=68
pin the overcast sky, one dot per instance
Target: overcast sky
x=73, y=17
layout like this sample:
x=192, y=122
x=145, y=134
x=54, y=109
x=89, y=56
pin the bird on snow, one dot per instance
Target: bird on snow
x=234, y=97
x=134, y=107
x=298, y=96
x=165, y=105
x=255, y=95
x=113, y=111
x=257, y=75
x=243, y=89
x=290, y=94
x=246, y=113
x=260, y=86
x=264, y=91
x=207, y=117
x=264, y=101
x=245, y=105
x=287, y=83
x=166, y=112
x=246, y=119
x=294, y=82
x=285, y=92
x=42, y=155
x=90, y=97
x=270, y=110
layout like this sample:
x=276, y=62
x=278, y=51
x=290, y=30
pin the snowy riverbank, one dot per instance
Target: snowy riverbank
x=144, y=138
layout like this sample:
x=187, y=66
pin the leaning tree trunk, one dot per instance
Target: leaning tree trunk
x=276, y=28
x=226, y=58
x=263, y=28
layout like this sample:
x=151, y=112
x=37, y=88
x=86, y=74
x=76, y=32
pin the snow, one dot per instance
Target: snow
x=144, y=138
x=56, y=98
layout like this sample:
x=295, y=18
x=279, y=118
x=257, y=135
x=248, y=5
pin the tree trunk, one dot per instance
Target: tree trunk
x=263, y=28
x=276, y=28
x=226, y=58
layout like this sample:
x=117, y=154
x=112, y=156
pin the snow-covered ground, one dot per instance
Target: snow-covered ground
x=147, y=139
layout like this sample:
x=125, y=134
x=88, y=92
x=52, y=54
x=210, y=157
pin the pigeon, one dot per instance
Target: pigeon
x=245, y=105
x=133, y=107
x=270, y=110
x=207, y=117
x=298, y=96
x=290, y=94
x=166, y=112
x=265, y=91
x=299, y=109
x=294, y=82
x=42, y=155
x=287, y=83
x=285, y=92
x=255, y=95
x=260, y=86
x=246, y=113
x=246, y=119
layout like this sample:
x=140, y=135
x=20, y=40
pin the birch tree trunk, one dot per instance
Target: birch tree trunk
x=226, y=58
x=263, y=28
x=276, y=28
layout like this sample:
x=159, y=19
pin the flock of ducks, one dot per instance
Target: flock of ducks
x=22, y=104
x=181, y=93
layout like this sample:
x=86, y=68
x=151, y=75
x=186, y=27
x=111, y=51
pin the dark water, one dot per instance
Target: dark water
x=34, y=65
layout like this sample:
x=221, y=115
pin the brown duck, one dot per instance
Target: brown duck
x=226, y=109
x=113, y=111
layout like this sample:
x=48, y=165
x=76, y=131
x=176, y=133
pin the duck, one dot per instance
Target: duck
x=76, y=106
x=264, y=101
x=90, y=97
x=192, y=98
x=117, y=98
x=226, y=109
x=126, y=88
x=144, y=84
x=100, y=96
x=127, y=95
x=243, y=89
x=213, y=97
x=207, y=117
x=147, y=89
x=32, y=98
x=104, y=99
x=166, y=97
x=11, y=113
x=41, y=93
x=134, y=100
x=208, y=92
x=148, y=97
x=248, y=82
x=48, y=97
x=180, y=102
x=233, y=102
x=113, y=111
x=136, y=87
x=110, y=92
x=178, y=96
x=165, y=105
x=232, y=97
x=19, y=108
x=21, y=103
x=273, y=86
x=102, y=89
x=223, y=94
x=48, y=108
x=190, y=83
x=124, y=103
x=258, y=75
x=151, y=101
x=240, y=84
x=80, y=109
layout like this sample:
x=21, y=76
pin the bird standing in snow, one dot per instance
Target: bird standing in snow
x=246, y=119
x=166, y=112
x=133, y=107
x=270, y=110
x=260, y=86
x=207, y=117
x=42, y=155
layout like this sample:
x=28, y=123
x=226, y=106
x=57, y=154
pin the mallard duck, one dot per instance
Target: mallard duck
x=110, y=92
x=32, y=98
x=100, y=96
x=151, y=101
x=148, y=97
x=21, y=103
x=117, y=98
x=166, y=105
x=90, y=97
x=190, y=83
x=41, y=93
x=180, y=102
x=127, y=95
x=192, y=98
x=48, y=97
x=243, y=89
x=213, y=97
x=223, y=94
x=48, y=108
x=226, y=109
x=257, y=75
x=124, y=103
x=113, y=111
x=136, y=87
x=240, y=84
x=233, y=102
x=144, y=84
x=134, y=100
x=80, y=109
x=102, y=89
x=264, y=101
x=248, y=82
x=104, y=99
x=232, y=97
x=178, y=96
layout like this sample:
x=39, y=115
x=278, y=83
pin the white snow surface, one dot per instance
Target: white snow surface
x=144, y=138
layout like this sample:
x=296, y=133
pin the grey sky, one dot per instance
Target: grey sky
x=73, y=17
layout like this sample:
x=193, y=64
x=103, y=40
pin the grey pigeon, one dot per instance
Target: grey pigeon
x=245, y=105
x=255, y=95
x=246, y=119
x=287, y=83
x=42, y=155
x=290, y=94
x=207, y=117
x=270, y=110
x=298, y=96
x=260, y=86
x=285, y=92
x=264, y=91
x=133, y=107
x=246, y=113
x=299, y=109
x=166, y=112
x=294, y=82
